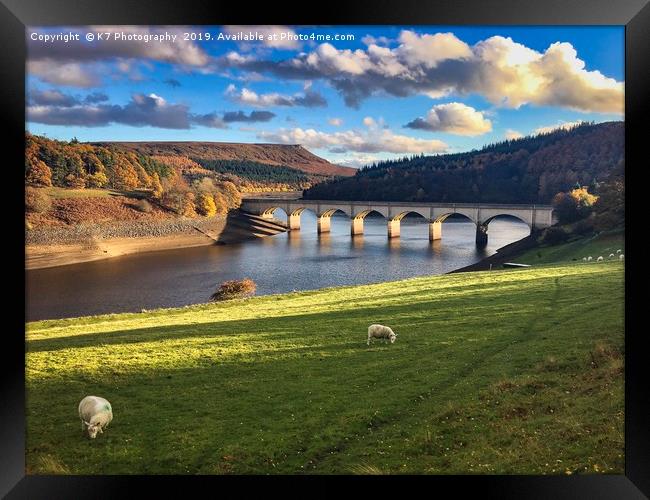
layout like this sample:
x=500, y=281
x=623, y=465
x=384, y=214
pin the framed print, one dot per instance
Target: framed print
x=379, y=240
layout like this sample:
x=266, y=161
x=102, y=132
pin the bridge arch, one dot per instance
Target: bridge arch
x=487, y=221
x=331, y=211
x=270, y=211
x=403, y=214
x=356, y=224
x=465, y=214
x=293, y=217
x=325, y=218
x=363, y=212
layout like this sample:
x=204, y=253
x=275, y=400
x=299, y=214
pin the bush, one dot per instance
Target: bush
x=234, y=289
x=205, y=205
x=37, y=201
x=143, y=206
x=554, y=235
x=584, y=226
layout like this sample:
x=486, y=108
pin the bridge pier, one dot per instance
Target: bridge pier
x=356, y=226
x=324, y=224
x=435, y=230
x=294, y=222
x=393, y=228
x=481, y=235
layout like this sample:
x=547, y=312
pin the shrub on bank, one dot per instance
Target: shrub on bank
x=554, y=235
x=37, y=201
x=143, y=206
x=234, y=289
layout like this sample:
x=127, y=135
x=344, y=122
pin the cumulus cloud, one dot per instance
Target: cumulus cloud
x=505, y=72
x=254, y=116
x=57, y=98
x=513, y=134
x=308, y=99
x=336, y=122
x=357, y=160
x=69, y=74
x=56, y=108
x=373, y=140
x=455, y=118
x=559, y=126
x=379, y=40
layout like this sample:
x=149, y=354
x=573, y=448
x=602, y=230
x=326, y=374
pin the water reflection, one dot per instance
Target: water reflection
x=298, y=260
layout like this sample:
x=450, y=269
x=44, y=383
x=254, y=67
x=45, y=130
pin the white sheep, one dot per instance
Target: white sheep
x=95, y=414
x=599, y=259
x=618, y=251
x=611, y=256
x=584, y=259
x=621, y=257
x=381, y=332
x=589, y=259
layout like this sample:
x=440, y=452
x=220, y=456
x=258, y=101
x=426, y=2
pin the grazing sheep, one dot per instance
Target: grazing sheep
x=584, y=259
x=618, y=251
x=599, y=259
x=381, y=332
x=611, y=256
x=589, y=259
x=95, y=414
x=621, y=257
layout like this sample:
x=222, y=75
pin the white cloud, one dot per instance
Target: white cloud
x=559, y=126
x=505, y=72
x=357, y=160
x=373, y=140
x=68, y=74
x=513, y=134
x=309, y=98
x=455, y=118
x=429, y=50
x=336, y=122
x=371, y=40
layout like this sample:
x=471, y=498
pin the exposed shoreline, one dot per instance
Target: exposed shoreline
x=53, y=247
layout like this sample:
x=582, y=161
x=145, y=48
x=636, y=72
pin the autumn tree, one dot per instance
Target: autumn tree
x=220, y=203
x=188, y=207
x=124, y=175
x=37, y=173
x=574, y=205
x=205, y=205
x=157, y=186
x=230, y=193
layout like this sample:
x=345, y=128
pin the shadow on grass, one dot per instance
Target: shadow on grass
x=279, y=328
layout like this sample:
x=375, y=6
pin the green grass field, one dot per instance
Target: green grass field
x=601, y=244
x=517, y=371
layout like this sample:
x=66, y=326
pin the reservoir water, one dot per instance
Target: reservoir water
x=298, y=260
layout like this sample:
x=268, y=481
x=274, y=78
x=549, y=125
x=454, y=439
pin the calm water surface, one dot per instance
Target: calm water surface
x=300, y=260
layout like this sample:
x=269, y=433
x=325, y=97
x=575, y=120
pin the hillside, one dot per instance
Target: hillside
x=527, y=170
x=292, y=156
x=486, y=365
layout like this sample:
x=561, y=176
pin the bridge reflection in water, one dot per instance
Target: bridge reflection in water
x=481, y=214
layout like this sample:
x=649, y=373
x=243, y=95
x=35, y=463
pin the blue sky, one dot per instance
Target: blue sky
x=389, y=92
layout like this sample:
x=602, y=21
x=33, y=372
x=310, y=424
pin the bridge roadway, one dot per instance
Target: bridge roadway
x=481, y=214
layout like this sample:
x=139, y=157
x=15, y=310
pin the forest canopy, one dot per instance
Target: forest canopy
x=528, y=170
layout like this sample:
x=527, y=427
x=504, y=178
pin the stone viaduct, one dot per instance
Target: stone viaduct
x=536, y=216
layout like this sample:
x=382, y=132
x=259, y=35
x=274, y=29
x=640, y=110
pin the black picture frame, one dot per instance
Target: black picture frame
x=15, y=15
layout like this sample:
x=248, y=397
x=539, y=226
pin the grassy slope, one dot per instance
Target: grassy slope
x=496, y=372
x=602, y=244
